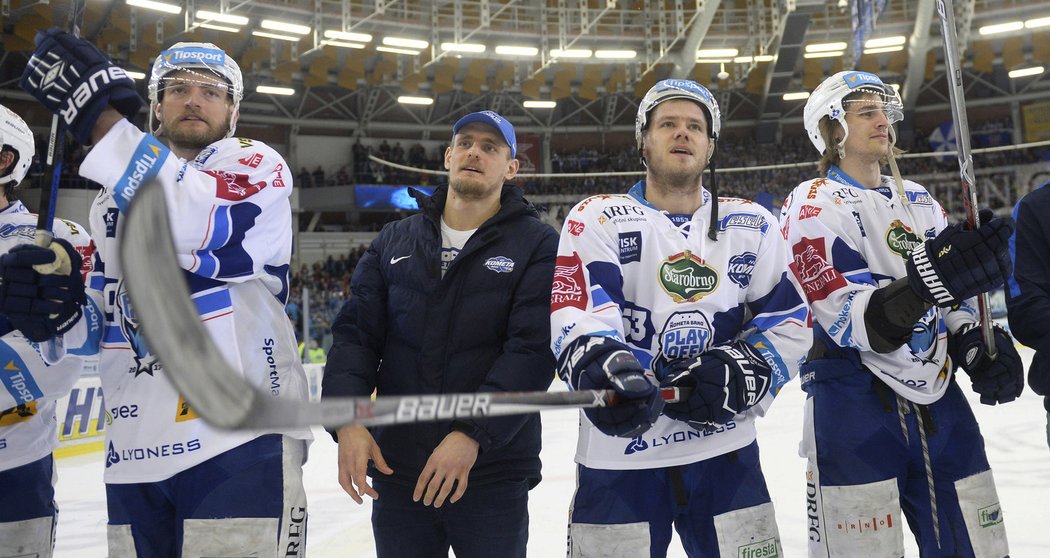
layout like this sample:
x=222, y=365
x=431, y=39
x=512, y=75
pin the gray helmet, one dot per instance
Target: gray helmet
x=668, y=89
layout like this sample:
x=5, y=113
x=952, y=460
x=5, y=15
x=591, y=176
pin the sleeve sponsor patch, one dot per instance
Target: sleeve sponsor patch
x=819, y=279
x=569, y=288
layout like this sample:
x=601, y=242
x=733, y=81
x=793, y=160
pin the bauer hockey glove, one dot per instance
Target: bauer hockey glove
x=996, y=381
x=603, y=363
x=41, y=306
x=74, y=79
x=724, y=381
x=960, y=263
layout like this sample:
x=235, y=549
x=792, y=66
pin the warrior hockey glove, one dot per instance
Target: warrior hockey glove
x=725, y=381
x=959, y=263
x=74, y=79
x=604, y=363
x=996, y=381
x=41, y=306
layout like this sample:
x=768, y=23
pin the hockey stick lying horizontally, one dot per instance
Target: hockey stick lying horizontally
x=962, y=141
x=221, y=395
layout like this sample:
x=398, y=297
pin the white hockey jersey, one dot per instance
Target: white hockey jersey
x=233, y=236
x=626, y=271
x=847, y=241
x=35, y=375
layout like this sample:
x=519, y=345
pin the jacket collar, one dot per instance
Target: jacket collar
x=512, y=202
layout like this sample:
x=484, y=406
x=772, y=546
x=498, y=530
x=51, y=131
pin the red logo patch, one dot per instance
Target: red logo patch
x=234, y=187
x=252, y=160
x=575, y=228
x=807, y=211
x=819, y=279
x=87, y=259
x=569, y=288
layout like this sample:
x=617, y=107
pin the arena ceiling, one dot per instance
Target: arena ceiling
x=357, y=89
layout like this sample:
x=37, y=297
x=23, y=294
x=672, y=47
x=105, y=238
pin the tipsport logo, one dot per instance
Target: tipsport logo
x=208, y=56
x=690, y=86
x=854, y=80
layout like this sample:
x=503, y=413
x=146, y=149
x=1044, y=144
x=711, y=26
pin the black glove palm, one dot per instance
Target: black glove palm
x=604, y=363
x=41, y=306
x=724, y=381
x=74, y=79
x=959, y=263
x=996, y=381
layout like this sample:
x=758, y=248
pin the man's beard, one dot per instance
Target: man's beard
x=195, y=138
x=468, y=189
x=684, y=180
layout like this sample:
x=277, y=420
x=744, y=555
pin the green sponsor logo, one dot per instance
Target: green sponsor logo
x=990, y=515
x=901, y=239
x=761, y=549
x=686, y=278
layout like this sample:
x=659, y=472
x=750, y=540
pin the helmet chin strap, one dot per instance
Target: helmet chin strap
x=895, y=170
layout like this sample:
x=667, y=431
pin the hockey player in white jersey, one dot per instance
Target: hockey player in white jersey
x=175, y=486
x=670, y=285
x=889, y=283
x=47, y=324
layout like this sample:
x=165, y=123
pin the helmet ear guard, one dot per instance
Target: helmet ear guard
x=16, y=136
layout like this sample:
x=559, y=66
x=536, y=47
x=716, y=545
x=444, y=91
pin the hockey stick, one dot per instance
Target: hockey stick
x=221, y=395
x=55, y=145
x=962, y=141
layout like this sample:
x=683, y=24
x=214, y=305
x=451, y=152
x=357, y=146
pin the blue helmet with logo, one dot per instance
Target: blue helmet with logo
x=668, y=89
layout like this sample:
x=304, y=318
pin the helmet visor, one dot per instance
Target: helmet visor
x=866, y=100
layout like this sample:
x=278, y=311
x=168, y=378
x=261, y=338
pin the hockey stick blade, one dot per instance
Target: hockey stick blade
x=221, y=395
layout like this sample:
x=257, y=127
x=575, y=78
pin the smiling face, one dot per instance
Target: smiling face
x=676, y=145
x=195, y=109
x=478, y=162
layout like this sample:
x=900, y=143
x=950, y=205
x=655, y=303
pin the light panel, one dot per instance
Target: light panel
x=222, y=18
x=274, y=25
x=571, y=53
x=405, y=43
x=799, y=96
x=1001, y=28
x=410, y=100
x=534, y=103
x=347, y=36
x=274, y=90
x=342, y=44
x=156, y=6
x=395, y=50
x=615, y=54
x=826, y=47
x=829, y=54
x=277, y=36
x=717, y=53
x=1025, y=72
x=885, y=41
x=516, y=50
x=883, y=50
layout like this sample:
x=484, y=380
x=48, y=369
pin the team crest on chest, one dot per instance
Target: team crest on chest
x=687, y=278
x=901, y=239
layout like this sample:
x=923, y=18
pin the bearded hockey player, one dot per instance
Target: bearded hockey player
x=889, y=283
x=176, y=486
x=47, y=324
x=669, y=285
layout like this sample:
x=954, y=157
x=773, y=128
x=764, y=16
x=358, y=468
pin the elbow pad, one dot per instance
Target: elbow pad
x=891, y=314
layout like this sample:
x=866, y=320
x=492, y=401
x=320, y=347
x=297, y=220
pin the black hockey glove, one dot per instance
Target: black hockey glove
x=725, y=381
x=74, y=79
x=1039, y=374
x=604, y=363
x=996, y=381
x=959, y=263
x=41, y=306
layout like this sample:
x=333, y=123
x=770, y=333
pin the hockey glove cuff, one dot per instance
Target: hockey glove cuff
x=41, y=306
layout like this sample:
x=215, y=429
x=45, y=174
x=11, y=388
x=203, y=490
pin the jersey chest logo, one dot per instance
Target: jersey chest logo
x=687, y=278
x=901, y=239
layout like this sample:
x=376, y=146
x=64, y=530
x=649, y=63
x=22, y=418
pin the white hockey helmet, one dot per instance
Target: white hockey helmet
x=15, y=134
x=829, y=99
x=668, y=89
x=193, y=57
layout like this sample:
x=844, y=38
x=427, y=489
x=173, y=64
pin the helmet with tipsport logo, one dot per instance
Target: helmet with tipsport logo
x=16, y=136
x=201, y=59
x=668, y=89
x=832, y=98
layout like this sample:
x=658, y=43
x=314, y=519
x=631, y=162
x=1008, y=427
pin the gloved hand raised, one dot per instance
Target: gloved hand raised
x=74, y=79
x=959, y=263
x=41, y=306
x=996, y=381
x=604, y=363
x=724, y=382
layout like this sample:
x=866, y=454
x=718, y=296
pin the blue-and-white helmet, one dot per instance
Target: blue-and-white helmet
x=829, y=99
x=15, y=133
x=668, y=89
x=203, y=58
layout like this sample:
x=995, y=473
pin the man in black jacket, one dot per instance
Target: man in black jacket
x=1028, y=299
x=453, y=299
